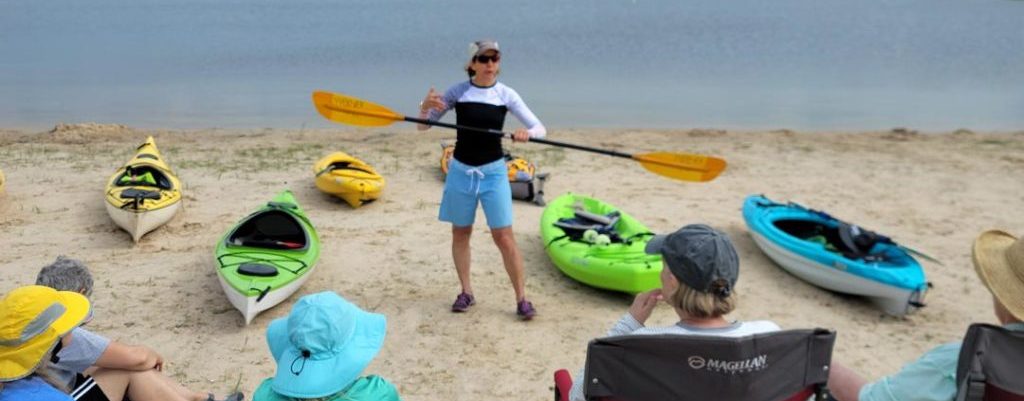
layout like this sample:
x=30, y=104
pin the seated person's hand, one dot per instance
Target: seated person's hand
x=644, y=304
x=158, y=360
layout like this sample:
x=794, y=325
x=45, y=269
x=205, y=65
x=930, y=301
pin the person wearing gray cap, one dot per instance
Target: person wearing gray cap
x=477, y=173
x=698, y=280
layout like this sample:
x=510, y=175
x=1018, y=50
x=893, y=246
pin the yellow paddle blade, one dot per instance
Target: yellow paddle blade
x=349, y=110
x=682, y=166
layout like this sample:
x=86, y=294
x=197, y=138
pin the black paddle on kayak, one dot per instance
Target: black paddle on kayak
x=681, y=166
x=860, y=240
x=919, y=253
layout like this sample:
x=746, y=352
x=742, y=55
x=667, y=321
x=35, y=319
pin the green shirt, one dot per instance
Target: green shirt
x=368, y=388
x=930, y=378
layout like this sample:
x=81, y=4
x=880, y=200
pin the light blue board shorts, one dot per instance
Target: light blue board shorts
x=466, y=185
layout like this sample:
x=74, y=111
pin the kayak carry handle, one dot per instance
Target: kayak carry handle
x=281, y=205
x=263, y=294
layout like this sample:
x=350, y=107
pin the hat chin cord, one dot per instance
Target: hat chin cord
x=305, y=355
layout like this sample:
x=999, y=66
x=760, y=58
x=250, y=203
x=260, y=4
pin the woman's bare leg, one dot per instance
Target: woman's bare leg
x=461, y=255
x=146, y=385
x=506, y=242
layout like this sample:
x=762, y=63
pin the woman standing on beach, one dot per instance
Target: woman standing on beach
x=477, y=172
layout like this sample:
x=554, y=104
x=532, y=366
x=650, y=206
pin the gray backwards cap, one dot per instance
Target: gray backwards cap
x=698, y=255
x=479, y=47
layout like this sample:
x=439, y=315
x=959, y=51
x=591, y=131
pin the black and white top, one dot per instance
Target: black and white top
x=484, y=107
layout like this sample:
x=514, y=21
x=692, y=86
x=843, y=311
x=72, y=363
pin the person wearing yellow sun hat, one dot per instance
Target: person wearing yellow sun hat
x=96, y=368
x=32, y=321
x=998, y=259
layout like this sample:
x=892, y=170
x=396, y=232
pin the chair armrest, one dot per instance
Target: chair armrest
x=563, y=384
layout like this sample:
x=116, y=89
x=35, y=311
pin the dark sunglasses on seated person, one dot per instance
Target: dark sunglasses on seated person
x=483, y=59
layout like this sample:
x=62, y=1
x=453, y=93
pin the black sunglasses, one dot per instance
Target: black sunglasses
x=487, y=59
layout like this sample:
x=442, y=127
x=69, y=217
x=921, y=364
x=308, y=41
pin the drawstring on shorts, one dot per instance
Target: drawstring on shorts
x=475, y=177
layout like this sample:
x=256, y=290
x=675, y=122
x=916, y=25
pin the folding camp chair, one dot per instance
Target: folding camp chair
x=991, y=364
x=783, y=365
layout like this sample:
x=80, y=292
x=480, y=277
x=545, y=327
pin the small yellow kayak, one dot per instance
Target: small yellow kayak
x=144, y=193
x=447, y=151
x=2, y=181
x=519, y=169
x=348, y=178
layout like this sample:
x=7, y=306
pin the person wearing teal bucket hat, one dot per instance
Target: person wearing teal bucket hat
x=321, y=348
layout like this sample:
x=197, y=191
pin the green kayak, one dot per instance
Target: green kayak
x=267, y=256
x=616, y=261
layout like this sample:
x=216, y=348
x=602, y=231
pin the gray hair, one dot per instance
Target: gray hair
x=66, y=274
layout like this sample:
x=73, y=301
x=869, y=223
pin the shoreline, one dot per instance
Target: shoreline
x=28, y=129
x=933, y=192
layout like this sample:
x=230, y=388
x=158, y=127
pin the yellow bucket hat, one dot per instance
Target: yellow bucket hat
x=999, y=261
x=32, y=319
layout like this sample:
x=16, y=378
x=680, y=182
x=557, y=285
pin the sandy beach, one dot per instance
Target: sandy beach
x=934, y=192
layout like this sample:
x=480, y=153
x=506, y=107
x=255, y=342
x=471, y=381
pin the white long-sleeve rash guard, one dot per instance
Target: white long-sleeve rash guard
x=485, y=107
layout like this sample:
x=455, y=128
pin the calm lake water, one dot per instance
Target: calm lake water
x=801, y=64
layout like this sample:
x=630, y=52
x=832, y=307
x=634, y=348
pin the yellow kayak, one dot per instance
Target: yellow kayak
x=526, y=183
x=2, y=181
x=144, y=193
x=519, y=169
x=447, y=151
x=348, y=178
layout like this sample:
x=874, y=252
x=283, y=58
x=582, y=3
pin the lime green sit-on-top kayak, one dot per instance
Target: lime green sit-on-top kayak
x=612, y=259
x=267, y=256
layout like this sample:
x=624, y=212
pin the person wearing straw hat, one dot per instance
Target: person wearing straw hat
x=477, y=173
x=32, y=321
x=999, y=261
x=99, y=369
x=321, y=348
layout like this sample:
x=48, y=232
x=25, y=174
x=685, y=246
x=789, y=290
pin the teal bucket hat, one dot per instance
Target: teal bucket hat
x=323, y=345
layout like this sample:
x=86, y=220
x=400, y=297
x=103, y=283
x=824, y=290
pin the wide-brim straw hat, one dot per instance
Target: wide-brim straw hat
x=999, y=261
x=32, y=320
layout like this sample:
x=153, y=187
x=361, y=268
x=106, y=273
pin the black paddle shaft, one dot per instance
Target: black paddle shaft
x=537, y=140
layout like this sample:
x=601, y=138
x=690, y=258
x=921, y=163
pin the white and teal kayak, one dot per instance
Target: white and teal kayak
x=835, y=255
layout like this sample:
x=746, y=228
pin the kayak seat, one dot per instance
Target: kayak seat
x=257, y=270
x=332, y=167
x=575, y=226
x=346, y=166
x=858, y=240
x=832, y=239
x=159, y=177
x=279, y=225
x=134, y=193
x=274, y=229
